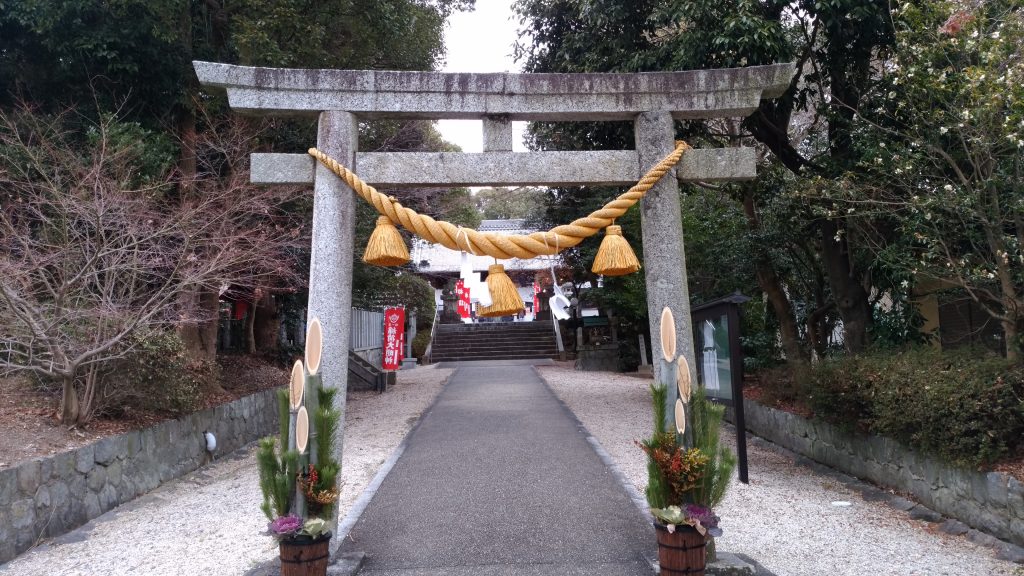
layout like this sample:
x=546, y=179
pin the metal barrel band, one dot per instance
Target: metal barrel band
x=305, y=560
x=664, y=545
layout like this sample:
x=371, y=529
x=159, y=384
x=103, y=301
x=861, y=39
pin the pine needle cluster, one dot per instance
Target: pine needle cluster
x=706, y=422
x=326, y=421
x=657, y=491
x=277, y=470
x=665, y=451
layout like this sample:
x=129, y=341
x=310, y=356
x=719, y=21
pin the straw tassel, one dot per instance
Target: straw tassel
x=615, y=257
x=505, y=299
x=386, y=246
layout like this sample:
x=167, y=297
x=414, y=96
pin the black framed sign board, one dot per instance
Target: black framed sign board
x=716, y=327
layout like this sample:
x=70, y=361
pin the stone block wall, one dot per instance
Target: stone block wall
x=992, y=502
x=49, y=496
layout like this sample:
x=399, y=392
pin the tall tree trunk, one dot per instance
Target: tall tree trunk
x=69, y=403
x=1011, y=333
x=817, y=330
x=771, y=285
x=850, y=296
x=200, y=333
x=267, y=325
x=250, y=323
x=188, y=163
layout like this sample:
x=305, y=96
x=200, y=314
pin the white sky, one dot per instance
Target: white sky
x=480, y=41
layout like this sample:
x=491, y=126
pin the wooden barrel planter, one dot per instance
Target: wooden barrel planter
x=681, y=553
x=304, y=556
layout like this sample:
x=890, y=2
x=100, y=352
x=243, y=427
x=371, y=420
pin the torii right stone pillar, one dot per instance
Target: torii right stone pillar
x=664, y=258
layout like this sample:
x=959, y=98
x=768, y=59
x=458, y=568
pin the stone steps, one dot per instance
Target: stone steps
x=494, y=341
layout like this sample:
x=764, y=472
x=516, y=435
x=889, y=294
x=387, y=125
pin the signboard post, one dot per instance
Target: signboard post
x=716, y=327
x=394, y=330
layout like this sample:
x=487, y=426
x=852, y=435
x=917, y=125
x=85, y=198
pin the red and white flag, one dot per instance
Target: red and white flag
x=462, y=291
x=394, y=335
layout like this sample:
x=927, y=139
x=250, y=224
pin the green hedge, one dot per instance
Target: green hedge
x=965, y=407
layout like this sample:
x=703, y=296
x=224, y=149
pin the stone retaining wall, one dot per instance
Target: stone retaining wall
x=992, y=502
x=49, y=496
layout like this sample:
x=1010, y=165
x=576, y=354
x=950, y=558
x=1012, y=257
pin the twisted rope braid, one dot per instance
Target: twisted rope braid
x=504, y=246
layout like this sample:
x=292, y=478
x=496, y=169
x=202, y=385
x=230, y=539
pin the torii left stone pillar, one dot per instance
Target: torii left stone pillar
x=330, y=296
x=653, y=101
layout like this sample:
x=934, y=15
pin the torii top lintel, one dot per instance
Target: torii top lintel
x=690, y=94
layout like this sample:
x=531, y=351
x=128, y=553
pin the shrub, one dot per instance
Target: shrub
x=965, y=407
x=157, y=375
x=420, y=343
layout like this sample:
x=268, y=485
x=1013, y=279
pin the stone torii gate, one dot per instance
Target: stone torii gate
x=340, y=98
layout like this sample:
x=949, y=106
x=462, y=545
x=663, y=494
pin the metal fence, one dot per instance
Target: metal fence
x=367, y=330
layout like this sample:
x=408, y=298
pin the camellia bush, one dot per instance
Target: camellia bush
x=942, y=144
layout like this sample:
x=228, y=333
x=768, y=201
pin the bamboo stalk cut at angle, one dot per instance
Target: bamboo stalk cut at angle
x=314, y=352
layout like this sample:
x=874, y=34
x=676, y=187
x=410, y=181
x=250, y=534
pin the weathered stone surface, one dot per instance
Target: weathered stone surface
x=596, y=167
x=996, y=487
x=45, y=469
x=664, y=268
x=23, y=514
x=1015, y=497
x=5, y=529
x=108, y=498
x=85, y=459
x=42, y=497
x=346, y=564
x=330, y=286
x=901, y=503
x=991, y=502
x=7, y=549
x=992, y=521
x=920, y=512
x=1010, y=553
x=28, y=477
x=25, y=538
x=436, y=95
x=96, y=478
x=497, y=134
x=8, y=486
x=729, y=565
x=954, y=527
x=133, y=443
x=66, y=501
x=114, y=475
x=60, y=498
x=92, y=505
x=108, y=449
x=983, y=539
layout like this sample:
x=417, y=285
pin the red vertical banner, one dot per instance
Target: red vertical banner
x=462, y=291
x=536, y=298
x=394, y=335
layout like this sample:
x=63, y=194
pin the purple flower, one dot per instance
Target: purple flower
x=285, y=525
x=705, y=516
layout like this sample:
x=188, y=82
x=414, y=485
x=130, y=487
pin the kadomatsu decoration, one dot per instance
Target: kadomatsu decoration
x=688, y=472
x=297, y=471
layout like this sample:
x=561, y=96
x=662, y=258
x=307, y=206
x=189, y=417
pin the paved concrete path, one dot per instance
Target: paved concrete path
x=498, y=478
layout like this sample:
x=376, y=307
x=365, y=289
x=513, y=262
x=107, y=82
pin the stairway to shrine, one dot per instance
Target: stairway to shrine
x=494, y=341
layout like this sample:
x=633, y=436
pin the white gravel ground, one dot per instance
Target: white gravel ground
x=209, y=521
x=784, y=519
